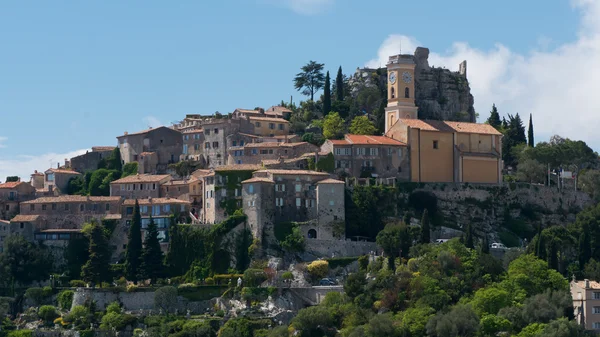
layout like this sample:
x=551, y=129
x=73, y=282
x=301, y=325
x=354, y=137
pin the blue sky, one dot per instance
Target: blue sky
x=76, y=74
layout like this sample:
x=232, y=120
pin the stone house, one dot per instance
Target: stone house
x=188, y=189
x=445, y=151
x=57, y=180
x=154, y=149
x=139, y=186
x=193, y=145
x=222, y=193
x=4, y=232
x=11, y=194
x=265, y=126
x=586, y=303
x=255, y=153
x=37, y=180
x=300, y=163
x=310, y=198
x=364, y=156
x=90, y=160
x=215, y=140
x=272, y=112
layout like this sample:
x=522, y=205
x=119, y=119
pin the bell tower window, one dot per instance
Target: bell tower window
x=406, y=93
x=393, y=93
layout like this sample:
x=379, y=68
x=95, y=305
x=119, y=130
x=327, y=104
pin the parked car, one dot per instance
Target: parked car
x=327, y=282
x=497, y=245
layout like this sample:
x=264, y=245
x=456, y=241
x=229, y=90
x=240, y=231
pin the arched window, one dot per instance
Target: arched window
x=393, y=93
x=312, y=234
x=406, y=93
x=391, y=122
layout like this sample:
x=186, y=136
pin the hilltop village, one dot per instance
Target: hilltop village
x=394, y=214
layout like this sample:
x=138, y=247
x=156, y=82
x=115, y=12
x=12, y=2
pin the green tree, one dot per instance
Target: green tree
x=76, y=255
x=592, y=270
x=24, y=262
x=355, y=284
x=490, y=300
x=11, y=179
x=394, y=239
x=327, y=95
x=461, y=321
x=100, y=181
x=165, y=298
x=310, y=79
x=382, y=326
x=294, y=242
x=152, y=257
x=333, y=126
x=339, y=85
x=425, y=230
x=540, y=247
x=530, y=140
x=130, y=169
x=514, y=135
x=494, y=119
x=485, y=245
x=361, y=125
x=531, y=171
x=469, y=240
x=133, y=252
x=589, y=182
x=97, y=268
x=314, y=321
x=77, y=186
x=113, y=162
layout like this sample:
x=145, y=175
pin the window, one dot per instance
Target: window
x=281, y=127
x=241, y=143
x=43, y=207
x=236, y=192
x=167, y=208
x=393, y=93
x=50, y=177
x=185, y=148
x=373, y=151
x=250, y=188
x=122, y=187
x=54, y=207
x=216, y=131
x=196, y=147
x=182, y=208
x=597, y=295
x=257, y=124
x=186, y=137
x=215, y=145
x=22, y=225
x=129, y=210
x=298, y=202
x=254, y=151
x=207, y=145
x=331, y=203
x=66, y=207
x=406, y=93
x=155, y=210
x=234, y=143
x=596, y=325
x=143, y=209
x=81, y=207
x=207, y=132
x=298, y=188
x=95, y=207
x=32, y=207
x=272, y=126
x=279, y=202
x=435, y=144
x=360, y=151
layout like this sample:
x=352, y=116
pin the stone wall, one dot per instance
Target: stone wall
x=315, y=248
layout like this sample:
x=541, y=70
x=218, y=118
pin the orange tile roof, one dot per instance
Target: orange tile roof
x=269, y=119
x=147, y=153
x=194, y=131
x=240, y=167
x=330, y=181
x=258, y=180
x=155, y=201
x=278, y=109
x=190, y=180
x=593, y=284
x=71, y=198
x=102, y=148
x=246, y=110
x=11, y=184
x=368, y=140
x=144, y=131
x=200, y=173
x=293, y=172
x=6, y=222
x=449, y=126
x=142, y=178
x=338, y=142
x=61, y=230
x=63, y=171
x=24, y=218
x=265, y=144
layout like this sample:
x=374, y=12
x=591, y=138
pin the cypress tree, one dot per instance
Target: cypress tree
x=425, y=231
x=327, y=95
x=494, y=119
x=485, y=245
x=339, y=85
x=134, y=246
x=540, y=248
x=97, y=268
x=469, y=237
x=175, y=260
x=553, y=255
x=406, y=219
x=152, y=257
x=585, y=247
x=530, y=140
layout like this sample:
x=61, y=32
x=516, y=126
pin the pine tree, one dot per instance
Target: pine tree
x=327, y=95
x=530, y=140
x=469, y=237
x=425, y=231
x=97, y=268
x=514, y=134
x=134, y=246
x=339, y=85
x=585, y=247
x=152, y=257
x=485, y=245
x=494, y=119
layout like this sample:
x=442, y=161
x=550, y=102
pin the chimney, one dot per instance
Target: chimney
x=126, y=133
x=587, y=283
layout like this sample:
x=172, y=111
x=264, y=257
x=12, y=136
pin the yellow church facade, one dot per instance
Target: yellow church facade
x=439, y=151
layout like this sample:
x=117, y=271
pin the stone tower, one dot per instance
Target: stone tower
x=401, y=90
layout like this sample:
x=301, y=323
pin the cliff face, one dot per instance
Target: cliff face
x=439, y=93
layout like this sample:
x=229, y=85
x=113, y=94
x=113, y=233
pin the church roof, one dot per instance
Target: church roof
x=449, y=126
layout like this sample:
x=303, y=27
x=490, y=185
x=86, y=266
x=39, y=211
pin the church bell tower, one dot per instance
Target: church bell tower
x=401, y=90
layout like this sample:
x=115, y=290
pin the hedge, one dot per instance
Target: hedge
x=340, y=261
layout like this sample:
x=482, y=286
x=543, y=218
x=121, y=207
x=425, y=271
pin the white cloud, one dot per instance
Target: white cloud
x=24, y=165
x=305, y=7
x=2, y=140
x=152, y=122
x=557, y=85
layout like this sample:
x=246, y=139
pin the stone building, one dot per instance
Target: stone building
x=265, y=126
x=57, y=180
x=154, y=149
x=222, y=193
x=90, y=160
x=215, y=140
x=37, y=180
x=310, y=198
x=4, y=233
x=139, y=186
x=188, y=189
x=193, y=145
x=255, y=153
x=11, y=194
x=275, y=111
x=364, y=156
x=586, y=303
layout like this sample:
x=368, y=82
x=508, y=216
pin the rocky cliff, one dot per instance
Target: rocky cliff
x=440, y=93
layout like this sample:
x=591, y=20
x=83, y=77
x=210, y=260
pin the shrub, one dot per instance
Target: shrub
x=254, y=277
x=340, y=261
x=86, y=333
x=165, y=298
x=209, y=280
x=20, y=333
x=113, y=307
x=318, y=269
x=48, y=313
x=363, y=262
x=132, y=288
x=65, y=299
x=77, y=283
x=79, y=316
x=288, y=275
x=37, y=295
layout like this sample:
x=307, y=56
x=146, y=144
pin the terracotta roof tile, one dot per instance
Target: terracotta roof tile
x=449, y=126
x=24, y=218
x=593, y=284
x=338, y=142
x=155, y=201
x=103, y=148
x=194, y=131
x=6, y=222
x=368, y=140
x=142, y=178
x=11, y=184
x=70, y=198
x=240, y=167
x=200, y=173
x=63, y=171
x=61, y=230
x=265, y=144
x=258, y=180
x=147, y=153
x=293, y=172
x=190, y=180
x=113, y=217
x=330, y=181
x=268, y=119
x=144, y=131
